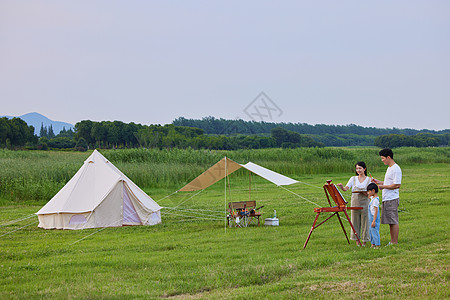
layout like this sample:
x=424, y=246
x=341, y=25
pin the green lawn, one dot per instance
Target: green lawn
x=194, y=258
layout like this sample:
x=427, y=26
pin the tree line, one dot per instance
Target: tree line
x=117, y=135
x=328, y=135
x=120, y=135
x=15, y=133
x=418, y=140
x=212, y=125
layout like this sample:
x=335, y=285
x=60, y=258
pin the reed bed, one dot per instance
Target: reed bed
x=38, y=175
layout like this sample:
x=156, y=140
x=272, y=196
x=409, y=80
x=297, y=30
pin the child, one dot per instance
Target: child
x=374, y=215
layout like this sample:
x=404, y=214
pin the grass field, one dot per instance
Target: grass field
x=191, y=257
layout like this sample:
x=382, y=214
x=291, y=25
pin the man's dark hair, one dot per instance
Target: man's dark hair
x=386, y=152
x=372, y=186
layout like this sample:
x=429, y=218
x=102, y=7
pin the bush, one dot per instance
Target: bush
x=61, y=143
x=81, y=145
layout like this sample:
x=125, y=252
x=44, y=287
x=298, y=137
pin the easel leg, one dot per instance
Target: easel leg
x=357, y=237
x=312, y=228
x=342, y=225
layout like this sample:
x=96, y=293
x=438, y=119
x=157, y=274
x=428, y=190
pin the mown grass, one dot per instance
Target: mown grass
x=188, y=257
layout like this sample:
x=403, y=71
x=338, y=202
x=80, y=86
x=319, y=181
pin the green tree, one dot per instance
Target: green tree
x=4, y=131
x=51, y=134
x=43, y=131
x=66, y=133
x=20, y=133
x=280, y=135
x=99, y=133
x=83, y=130
x=114, y=133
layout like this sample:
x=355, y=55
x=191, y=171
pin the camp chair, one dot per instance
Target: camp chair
x=331, y=190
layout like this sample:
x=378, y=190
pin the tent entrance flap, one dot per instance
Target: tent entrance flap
x=130, y=215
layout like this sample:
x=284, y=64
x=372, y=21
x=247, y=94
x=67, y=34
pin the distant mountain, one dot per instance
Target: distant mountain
x=36, y=119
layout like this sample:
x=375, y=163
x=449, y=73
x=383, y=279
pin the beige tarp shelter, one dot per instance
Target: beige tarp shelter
x=227, y=166
x=215, y=173
x=99, y=195
x=223, y=169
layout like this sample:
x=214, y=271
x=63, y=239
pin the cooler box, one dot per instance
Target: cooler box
x=272, y=222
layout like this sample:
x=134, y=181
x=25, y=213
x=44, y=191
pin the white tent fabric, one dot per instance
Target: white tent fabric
x=269, y=175
x=99, y=195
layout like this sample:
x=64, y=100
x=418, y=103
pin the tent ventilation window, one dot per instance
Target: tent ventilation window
x=77, y=219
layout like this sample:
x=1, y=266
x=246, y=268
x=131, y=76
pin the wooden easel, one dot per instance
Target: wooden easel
x=341, y=206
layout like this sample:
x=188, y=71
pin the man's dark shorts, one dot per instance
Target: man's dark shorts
x=389, y=212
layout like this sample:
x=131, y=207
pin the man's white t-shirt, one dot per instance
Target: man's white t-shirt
x=393, y=176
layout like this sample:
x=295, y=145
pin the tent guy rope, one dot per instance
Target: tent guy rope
x=187, y=216
x=109, y=225
x=314, y=186
x=18, y=220
x=194, y=209
x=191, y=212
x=166, y=197
x=189, y=198
x=90, y=235
x=34, y=222
x=299, y=196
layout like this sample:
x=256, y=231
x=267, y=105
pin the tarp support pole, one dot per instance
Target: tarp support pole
x=226, y=194
x=249, y=186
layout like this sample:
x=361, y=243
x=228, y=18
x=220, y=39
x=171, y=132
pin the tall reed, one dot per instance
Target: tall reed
x=38, y=175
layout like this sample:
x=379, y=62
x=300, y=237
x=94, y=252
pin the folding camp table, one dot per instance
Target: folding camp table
x=332, y=191
x=242, y=213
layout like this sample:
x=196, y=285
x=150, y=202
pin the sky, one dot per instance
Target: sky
x=378, y=64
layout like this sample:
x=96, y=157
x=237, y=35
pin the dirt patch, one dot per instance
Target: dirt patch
x=198, y=295
x=345, y=286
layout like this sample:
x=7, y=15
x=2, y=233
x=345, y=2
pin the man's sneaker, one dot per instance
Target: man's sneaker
x=390, y=244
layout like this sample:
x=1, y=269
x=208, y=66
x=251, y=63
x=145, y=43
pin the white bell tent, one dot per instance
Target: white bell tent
x=99, y=195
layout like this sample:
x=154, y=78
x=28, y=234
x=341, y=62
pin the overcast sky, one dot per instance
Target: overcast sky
x=371, y=63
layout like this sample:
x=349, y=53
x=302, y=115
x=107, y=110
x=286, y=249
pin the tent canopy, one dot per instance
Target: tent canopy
x=227, y=166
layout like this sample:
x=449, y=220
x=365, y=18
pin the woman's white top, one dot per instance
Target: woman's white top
x=354, y=183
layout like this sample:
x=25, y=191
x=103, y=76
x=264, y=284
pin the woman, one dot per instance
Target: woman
x=360, y=218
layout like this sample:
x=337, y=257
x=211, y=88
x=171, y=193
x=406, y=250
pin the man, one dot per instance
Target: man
x=390, y=196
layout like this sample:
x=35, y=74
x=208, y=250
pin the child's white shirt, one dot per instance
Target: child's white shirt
x=374, y=202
